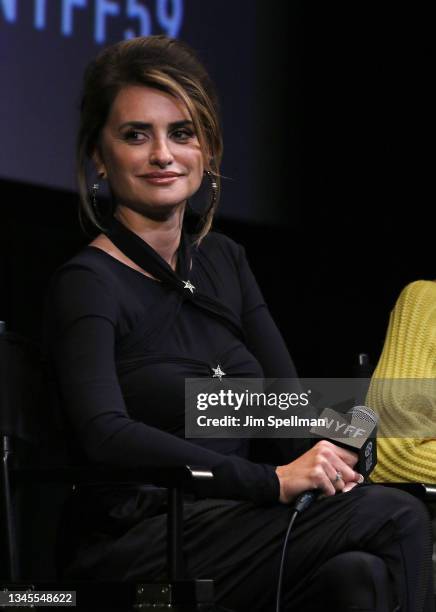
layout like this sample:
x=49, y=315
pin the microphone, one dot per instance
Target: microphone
x=355, y=431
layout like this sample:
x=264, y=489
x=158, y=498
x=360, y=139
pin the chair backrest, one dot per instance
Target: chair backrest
x=29, y=414
x=363, y=367
x=31, y=434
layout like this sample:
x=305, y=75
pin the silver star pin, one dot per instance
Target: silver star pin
x=188, y=285
x=218, y=373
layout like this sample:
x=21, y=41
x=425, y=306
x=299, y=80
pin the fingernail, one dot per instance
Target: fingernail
x=360, y=479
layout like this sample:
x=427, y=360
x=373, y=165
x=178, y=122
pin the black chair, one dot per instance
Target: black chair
x=33, y=453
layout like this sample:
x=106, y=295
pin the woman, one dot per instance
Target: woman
x=157, y=298
x=402, y=389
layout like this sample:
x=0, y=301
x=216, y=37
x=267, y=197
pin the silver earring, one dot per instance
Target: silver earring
x=94, y=191
x=214, y=187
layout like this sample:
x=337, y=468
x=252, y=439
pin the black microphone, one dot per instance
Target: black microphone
x=355, y=431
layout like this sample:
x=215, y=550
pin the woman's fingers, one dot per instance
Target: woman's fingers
x=336, y=463
x=321, y=480
x=325, y=466
x=349, y=486
x=345, y=455
x=336, y=477
x=348, y=474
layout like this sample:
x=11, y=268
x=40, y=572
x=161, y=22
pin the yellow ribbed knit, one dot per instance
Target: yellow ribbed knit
x=409, y=352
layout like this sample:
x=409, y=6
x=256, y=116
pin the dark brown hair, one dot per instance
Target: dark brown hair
x=162, y=63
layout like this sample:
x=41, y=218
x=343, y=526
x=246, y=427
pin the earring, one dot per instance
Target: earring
x=214, y=187
x=94, y=190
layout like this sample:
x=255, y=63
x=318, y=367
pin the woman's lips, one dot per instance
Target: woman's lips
x=161, y=179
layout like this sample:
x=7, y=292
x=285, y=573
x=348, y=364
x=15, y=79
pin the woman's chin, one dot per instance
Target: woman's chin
x=157, y=210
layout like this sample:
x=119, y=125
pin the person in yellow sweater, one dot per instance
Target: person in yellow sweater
x=403, y=389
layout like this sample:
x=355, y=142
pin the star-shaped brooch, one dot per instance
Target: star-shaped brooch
x=188, y=285
x=218, y=373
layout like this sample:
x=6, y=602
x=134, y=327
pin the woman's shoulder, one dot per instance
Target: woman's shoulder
x=413, y=319
x=88, y=261
x=88, y=280
x=409, y=347
x=81, y=287
x=419, y=293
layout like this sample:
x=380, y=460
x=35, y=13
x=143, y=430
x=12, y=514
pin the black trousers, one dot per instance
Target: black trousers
x=366, y=550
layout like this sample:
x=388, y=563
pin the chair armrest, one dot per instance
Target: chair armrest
x=175, y=479
x=168, y=477
x=426, y=492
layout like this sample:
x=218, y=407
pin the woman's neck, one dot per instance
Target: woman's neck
x=162, y=236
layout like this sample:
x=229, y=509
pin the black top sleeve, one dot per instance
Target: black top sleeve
x=82, y=342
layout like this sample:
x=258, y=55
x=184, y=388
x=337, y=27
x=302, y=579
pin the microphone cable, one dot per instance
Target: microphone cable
x=303, y=501
x=282, y=562
x=363, y=416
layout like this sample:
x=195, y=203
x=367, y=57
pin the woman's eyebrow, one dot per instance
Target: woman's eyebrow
x=140, y=125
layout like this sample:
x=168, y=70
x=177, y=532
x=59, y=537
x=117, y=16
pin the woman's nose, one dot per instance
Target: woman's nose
x=160, y=153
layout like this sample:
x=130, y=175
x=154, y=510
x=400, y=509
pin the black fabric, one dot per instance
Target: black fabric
x=121, y=345
x=367, y=550
x=147, y=259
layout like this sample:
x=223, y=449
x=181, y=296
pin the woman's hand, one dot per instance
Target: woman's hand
x=318, y=468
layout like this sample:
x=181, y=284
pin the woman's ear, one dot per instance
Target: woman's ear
x=99, y=164
x=207, y=161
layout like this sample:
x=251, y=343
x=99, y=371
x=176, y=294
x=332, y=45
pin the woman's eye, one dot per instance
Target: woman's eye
x=134, y=135
x=182, y=135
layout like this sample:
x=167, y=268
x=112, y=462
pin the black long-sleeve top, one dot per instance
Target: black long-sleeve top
x=122, y=344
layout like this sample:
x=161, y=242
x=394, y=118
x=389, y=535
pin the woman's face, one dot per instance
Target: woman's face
x=149, y=152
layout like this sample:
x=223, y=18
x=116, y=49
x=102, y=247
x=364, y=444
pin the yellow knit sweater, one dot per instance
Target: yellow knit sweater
x=409, y=352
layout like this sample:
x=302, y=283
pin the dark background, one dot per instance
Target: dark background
x=337, y=161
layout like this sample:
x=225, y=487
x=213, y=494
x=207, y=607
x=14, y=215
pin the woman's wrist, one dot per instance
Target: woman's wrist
x=280, y=474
